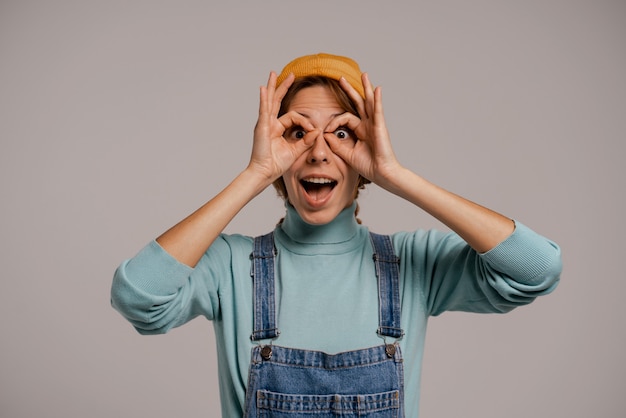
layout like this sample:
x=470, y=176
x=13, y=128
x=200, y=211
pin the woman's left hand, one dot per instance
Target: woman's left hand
x=370, y=154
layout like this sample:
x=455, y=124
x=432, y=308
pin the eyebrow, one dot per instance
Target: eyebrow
x=334, y=115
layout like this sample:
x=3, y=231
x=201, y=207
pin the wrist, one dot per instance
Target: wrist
x=391, y=178
x=257, y=179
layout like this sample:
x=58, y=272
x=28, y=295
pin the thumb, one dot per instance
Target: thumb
x=344, y=149
x=307, y=142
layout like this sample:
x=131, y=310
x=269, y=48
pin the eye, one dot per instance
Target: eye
x=343, y=133
x=296, y=132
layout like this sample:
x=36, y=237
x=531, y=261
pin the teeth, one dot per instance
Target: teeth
x=318, y=180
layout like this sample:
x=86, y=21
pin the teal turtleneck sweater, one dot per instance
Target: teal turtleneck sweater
x=327, y=296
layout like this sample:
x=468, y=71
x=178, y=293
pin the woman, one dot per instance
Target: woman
x=334, y=317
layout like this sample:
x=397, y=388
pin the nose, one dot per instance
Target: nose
x=320, y=150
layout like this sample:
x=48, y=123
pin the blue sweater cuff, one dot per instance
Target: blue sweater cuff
x=155, y=271
x=527, y=256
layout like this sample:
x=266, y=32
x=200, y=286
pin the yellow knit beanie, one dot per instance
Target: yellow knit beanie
x=327, y=65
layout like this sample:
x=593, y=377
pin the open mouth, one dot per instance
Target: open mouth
x=318, y=188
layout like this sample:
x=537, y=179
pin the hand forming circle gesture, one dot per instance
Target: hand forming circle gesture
x=371, y=155
x=272, y=154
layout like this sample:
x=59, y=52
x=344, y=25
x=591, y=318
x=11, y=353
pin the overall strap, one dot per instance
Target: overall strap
x=387, y=272
x=262, y=274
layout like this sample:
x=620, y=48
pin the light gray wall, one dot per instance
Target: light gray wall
x=117, y=118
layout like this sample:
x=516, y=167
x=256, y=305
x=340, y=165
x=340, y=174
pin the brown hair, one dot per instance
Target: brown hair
x=344, y=102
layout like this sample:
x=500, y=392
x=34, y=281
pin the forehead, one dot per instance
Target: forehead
x=316, y=98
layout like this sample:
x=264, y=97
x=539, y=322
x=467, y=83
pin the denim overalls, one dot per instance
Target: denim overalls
x=290, y=383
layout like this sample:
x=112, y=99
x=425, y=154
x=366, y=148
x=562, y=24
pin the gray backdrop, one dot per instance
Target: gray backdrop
x=118, y=118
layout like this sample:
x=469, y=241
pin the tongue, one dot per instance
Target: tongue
x=318, y=191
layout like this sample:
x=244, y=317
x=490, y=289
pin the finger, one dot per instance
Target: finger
x=379, y=116
x=266, y=95
x=345, y=119
x=300, y=147
x=344, y=149
x=271, y=87
x=309, y=139
x=284, y=86
x=369, y=94
x=368, y=87
x=281, y=91
x=271, y=80
x=293, y=118
x=262, y=100
x=354, y=96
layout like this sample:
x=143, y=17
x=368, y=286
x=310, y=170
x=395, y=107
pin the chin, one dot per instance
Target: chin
x=321, y=217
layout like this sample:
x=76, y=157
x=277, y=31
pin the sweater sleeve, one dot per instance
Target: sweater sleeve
x=454, y=277
x=155, y=292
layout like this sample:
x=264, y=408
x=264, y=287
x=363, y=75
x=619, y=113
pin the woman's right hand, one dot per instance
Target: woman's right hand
x=272, y=153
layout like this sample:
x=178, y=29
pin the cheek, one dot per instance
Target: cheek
x=349, y=174
x=290, y=182
x=289, y=176
x=352, y=184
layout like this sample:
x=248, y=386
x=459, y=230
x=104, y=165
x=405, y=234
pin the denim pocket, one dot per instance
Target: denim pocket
x=281, y=405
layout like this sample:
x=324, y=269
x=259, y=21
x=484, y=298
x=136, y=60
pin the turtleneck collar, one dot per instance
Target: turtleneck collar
x=340, y=230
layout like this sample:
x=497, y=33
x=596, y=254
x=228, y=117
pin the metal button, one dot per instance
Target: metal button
x=266, y=352
x=390, y=350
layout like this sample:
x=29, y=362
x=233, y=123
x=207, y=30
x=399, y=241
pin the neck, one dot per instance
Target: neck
x=340, y=229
